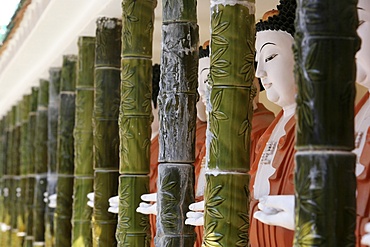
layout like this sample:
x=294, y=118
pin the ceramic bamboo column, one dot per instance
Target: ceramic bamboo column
x=40, y=169
x=2, y=167
x=65, y=152
x=24, y=160
x=29, y=193
x=7, y=179
x=53, y=114
x=230, y=118
x=325, y=179
x=135, y=120
x=177, y=100
x=83, y=141
x=106, y=136
x=13, y=181
x=15, y=172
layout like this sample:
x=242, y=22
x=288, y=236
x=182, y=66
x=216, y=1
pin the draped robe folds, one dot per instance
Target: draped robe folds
x=363, y=183
x=281, y=183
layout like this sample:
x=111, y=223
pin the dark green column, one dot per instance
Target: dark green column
x=177, y=114
x=83, y=141
x=2, y=165
x=8, y=179
x=65, y=152
x=41, y=156
x=16, y=241
x=53, y=114
x=15, y=172
x=3, y=143
x=24, y=160
x=29, y=193
x=106, y=136
x=325, y=182
x=135, y=120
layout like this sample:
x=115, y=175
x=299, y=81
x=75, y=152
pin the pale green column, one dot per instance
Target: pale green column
x=83, y=143
x=229, y=123
x=135, y=119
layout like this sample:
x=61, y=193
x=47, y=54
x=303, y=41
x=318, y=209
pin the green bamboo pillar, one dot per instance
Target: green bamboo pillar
x=106, y=136
x=65, y=152
x=16, y=241
x=2, y=167
x=230, y=118
x=40, y=168
x=83, y=141
x=177, y=114
x=13, y=172
x=14, y=195
x=29, y=193
x=53, y=114
x=24, y=160
x=8, y=179
x=135, y=119
x=325, y=183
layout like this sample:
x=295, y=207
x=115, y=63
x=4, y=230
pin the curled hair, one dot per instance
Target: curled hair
x=283, y=21
x=203, y=52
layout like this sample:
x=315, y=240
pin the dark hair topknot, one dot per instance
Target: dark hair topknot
x=203, y=52
x=284, y=21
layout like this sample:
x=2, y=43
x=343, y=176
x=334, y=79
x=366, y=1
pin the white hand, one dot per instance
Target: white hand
x=196, y=216
x=53, y=201
x=46, y=195
x=91, y=197
x=113, y=204
x=277, y=211
x=365, y=240
x=148, y=208
x=4, y=227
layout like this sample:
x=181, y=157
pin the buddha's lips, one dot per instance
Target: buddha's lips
x=267, y=85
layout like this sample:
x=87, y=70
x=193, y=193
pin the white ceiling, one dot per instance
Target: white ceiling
x=50, y=29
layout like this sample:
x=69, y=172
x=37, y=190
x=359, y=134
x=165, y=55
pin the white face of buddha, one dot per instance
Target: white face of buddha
x=275, y=67
x=363, y=55
x=204, y=64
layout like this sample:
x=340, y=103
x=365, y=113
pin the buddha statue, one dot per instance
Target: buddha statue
x=280, y=210
x=272, y=172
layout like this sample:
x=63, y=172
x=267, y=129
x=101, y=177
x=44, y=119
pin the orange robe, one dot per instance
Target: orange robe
x=363, y=184
x=262, y=118
x=281, y=183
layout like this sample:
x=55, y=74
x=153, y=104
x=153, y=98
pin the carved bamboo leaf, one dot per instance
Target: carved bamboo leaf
x=212, y=238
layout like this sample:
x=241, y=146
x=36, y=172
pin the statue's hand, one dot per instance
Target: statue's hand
x=4, y=227
x=148, y=208
x=276, y=211
x=53, y=201
x=91, y=197
x=113, y=204
x=196, y=216
x=365, y=240
x=46, y=197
